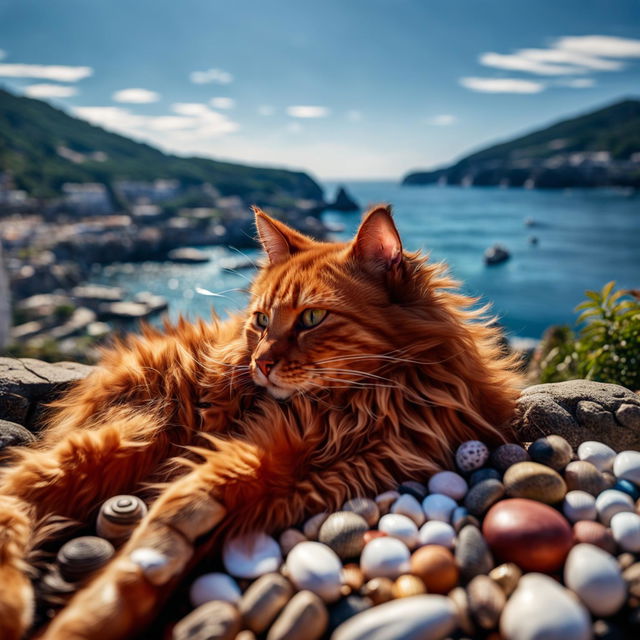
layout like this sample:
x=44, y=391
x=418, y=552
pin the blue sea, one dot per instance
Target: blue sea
x=585, y=238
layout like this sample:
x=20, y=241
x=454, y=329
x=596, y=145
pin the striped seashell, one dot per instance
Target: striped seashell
x=80, y=557
x=118, y=517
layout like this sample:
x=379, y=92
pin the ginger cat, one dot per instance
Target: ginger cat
x=354, y=367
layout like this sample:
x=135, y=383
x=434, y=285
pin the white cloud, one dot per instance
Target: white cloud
x=308, y=111
x=190, y=108
x=45, y=72
x=502, y=85
x=217, y=76
x=135, y=96
x=516, y=62
x=577, y=83
x=222, y=103
x=353, y=115
x=570, y=57
x=604, y=46
x=266, y=110
x=442, y=120
x=49, y=91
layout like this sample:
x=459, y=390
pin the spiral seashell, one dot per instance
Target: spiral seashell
x=80, y=557
x=119, y=516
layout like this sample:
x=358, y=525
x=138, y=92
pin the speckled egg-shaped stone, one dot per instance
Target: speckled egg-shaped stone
x=598, y=454
x=304, y=618
x=364, y=507
x=407, y=505
x=610, y=502
x=471, y=455
x=385, y=558
x=211, y=621
x=436, y=567
x=581, y=475
x=437, y=532
x=627, y=466
x=625, y=528
x=251, y=556
x=594, y=533
x=400, y=527
x=438, y=507
x=534, y=481
x=263, y=601
x=579, y=505
x=80, y=557
x=594, y=575
x=506, y=455
x=289, y=538
x=214, y=586
x=449, y=484
x=315, y=567
x=552, y=451
x=531, y=534
x=343, y=531
x=486, y=602
x=472, y=553
x=482, y=496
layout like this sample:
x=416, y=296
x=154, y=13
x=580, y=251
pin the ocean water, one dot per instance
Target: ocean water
x=585, y=238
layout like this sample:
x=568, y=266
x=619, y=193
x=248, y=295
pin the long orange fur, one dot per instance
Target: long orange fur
x=399, y=372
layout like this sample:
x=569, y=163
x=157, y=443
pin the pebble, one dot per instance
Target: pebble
x=534, y=481
x=416, y=489
x=482, y=496
x=364, y=507
x=594, y=575
x=210, y=621
x=401, y=527
x=346, y=608
x=600, y=455
x=312, y=526
x=385, y=558
x=552, y=451
x=408, y=585
x=472, y=554
x=487, y=473
x=372, y=535
x=304, y=618
x=581, y=475
x=461, y=518
x=461, y=601
x=531, y=534
x=352, y=577
x=385, y=500
x=506, y=455
x=626, y=486
x=315, y=567
x=251, y=556
x=423, y=617
x=506, y=576
x=407, y=505
x=486, y=602
x=449, y=484
x=610, y=502
x=118, y=517
x=471, y=455
x=579, y=505
x=594, y=533
x=343, y=532
x=625, y=528
x=80, y=557
x=378, y=590
x=436, y=567
x=540, y=608
x=627, y=466
x=437, y=532
x=214, y=586
x=289, y=538
x=438, y=507
x=263, y=601
x=631, y=576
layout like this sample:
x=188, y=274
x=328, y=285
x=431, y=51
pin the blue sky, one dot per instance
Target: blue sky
x=341, y=88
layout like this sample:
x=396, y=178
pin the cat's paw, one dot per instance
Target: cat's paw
x=580, y=410
x=16, y=603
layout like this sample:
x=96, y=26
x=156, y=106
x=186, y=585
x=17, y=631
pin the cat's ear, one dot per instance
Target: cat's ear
x=278, y=240
x=378, y=241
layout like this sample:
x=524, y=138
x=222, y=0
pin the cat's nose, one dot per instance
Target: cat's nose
x=266, y=366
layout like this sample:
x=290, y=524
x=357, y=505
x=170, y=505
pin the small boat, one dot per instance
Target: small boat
x=496, y=254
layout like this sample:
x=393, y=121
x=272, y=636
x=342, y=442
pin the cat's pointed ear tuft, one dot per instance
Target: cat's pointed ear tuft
x=278, y=240
x=378, y=241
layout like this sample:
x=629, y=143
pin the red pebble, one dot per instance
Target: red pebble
x=368, y=536
x=594, y=533
x=532, y=534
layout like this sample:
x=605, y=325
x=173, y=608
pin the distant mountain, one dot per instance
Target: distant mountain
x=601, y=148
x=42, y=147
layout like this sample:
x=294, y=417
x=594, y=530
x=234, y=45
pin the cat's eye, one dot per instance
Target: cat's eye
x=312, y=317
x=261, y=319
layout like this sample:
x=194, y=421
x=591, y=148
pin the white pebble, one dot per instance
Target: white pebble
x=627, y=466
x=407, y=505
x=315, y=567
x=610, y=502
x=449, y=484
x=251, y=556
x=436, y=532
x=214, y=586
x=438, y=507
x=598, y=454
x=385, y=558
x=579, y=505
x=471, y=455
x=625, y=527
x=400, y=527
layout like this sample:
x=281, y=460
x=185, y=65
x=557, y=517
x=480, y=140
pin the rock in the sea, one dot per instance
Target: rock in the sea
x=610, y=502
x=210, y=621
x=449, y=484
x=579, y=505
x=314, y=567
x=506, y=455
x=625, y=528
x=364, y=507
x=471, y=455
x=251, y=556
x=627, y=466
x=385, y=558
x=407, y=505
x=534, y=481
x=408, y=585
x=506, y=576
x=400, y=527
x=263, y=601
x=423, y=617
x=343, y=531
x=214, y=586
x=344, y=201
x=482, y=496
x=581, y=475
x=595, y=576
x=437, y=532
x=598, y=454
x=289, y=538
x=594, y=533
x=542, y=609
x=80, y=557
x=531, y=534
x=472, y=554
x=14, y=435
x=486, y=602
x=118, y=517
x=438, y=507
x=553, y=451
x=436, y=567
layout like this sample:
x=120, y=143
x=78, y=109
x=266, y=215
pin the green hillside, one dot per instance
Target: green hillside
x=32, y=133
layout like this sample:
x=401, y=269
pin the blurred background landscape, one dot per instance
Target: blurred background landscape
x=134, y=136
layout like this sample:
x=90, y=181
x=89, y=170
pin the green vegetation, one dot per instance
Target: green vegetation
x=32, y=133
x=606, y=346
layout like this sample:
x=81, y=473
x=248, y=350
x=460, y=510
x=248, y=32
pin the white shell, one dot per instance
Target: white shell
x=541, y=608
x=579, y=505
x=315, y=567
x=407, y=505
x=436, y=532
x=610, y=502
x=400, y=527
x=214, y=586
x=625, y=527
x=251, y=556
x=595, y=576
x=438, y=507
x=600, y=455
x=471, y=455
x=449, y=484
x=627, y=466
x=385, y=558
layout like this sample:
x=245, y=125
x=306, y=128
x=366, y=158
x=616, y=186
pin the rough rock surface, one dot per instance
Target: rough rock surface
x=580, y=410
